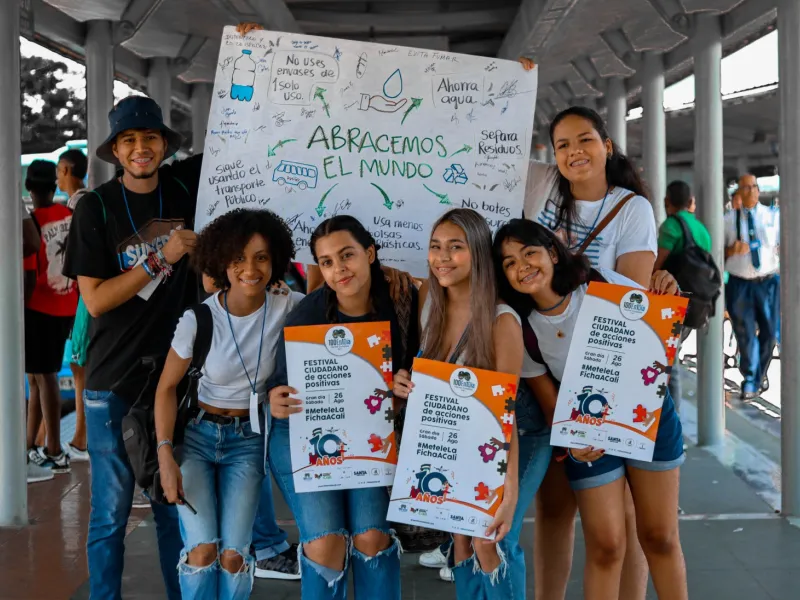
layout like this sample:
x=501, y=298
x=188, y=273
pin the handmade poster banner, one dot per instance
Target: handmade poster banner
x=311, y=127
x=452, y=466
x=344, y=437
x=615, y=379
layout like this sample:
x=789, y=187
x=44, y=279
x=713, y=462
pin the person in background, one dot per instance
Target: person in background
x=71, y=171
x=679, y=203
x=50, y=303
x=752, y=294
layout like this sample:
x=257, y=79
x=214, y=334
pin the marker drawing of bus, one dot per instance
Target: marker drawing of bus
x=294, y=173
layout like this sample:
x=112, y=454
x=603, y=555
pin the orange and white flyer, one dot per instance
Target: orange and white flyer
x=344, y=437
x=615, y=379
x=454, y=454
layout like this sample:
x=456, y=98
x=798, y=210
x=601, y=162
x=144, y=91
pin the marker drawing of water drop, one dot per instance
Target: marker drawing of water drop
x=393, y=86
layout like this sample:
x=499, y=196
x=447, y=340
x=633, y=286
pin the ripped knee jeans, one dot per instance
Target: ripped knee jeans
x=345, y=513
x=222, y=469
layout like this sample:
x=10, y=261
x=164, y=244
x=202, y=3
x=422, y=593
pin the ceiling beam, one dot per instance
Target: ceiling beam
x=275, y=15
x=674, y=16
x=586, y=69
x=621, y=47
x=135, y=16
x=479, y=47
x=426, y=42
x=747, y=13
x=406, y=22
x=535, y=21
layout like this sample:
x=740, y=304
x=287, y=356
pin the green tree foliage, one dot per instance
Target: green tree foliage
x=62, y=116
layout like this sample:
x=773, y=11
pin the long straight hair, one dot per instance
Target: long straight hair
x=378, y=289
x=620, y=170
x=479, y=346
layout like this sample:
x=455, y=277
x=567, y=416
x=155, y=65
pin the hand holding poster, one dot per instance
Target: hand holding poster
x=615, y=379
x=454, y=456
x=311, y=127
x=344, y=436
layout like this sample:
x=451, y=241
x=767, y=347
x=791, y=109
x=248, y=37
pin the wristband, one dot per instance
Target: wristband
x=147, y=268
x=164, y=443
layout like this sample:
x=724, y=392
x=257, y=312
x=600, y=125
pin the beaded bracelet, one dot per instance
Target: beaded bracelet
x=164, y=443
x=148, y=269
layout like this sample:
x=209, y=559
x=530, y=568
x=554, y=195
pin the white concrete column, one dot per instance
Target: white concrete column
x=709, y=190
x=788, y=59
x=159, y=86
x=13, y=480
x=617, y=104
x=99, y=95
x=654, y=149
x=540, y=151
x=201, y=105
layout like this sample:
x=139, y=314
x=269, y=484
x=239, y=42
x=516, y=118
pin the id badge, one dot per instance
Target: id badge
x=255, y=423
x=755, y=245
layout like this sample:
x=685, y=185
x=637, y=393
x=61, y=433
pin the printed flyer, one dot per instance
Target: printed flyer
x=344, y=437
x=454, y=456
x=618, y=366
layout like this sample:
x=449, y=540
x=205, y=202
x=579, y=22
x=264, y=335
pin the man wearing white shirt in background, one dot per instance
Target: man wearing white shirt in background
x=752, y=237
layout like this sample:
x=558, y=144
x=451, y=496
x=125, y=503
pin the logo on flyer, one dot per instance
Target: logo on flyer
x=339, y=340
x=326, y=448
x=432, y=486
x=634, y=305
x=463, y=382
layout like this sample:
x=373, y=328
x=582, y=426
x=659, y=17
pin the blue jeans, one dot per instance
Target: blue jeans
x=347, y=513
x=268, y=539
x=112, y=495
x=222, y=473
x=508, y=580
x=751, y=304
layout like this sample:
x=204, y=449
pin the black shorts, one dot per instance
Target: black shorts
x=45, y=336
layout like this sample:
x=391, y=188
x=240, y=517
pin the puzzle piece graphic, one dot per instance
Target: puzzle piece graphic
x=673, y=342
x=511, y=403
x=649, y=375
x=512, y=389
x=502, y=466
x=488, y=452
x=387, y=352
x=386, y=367
x=508, y=418
x=667, y=313
x=482, y=491
x=671, y=352
x=376, y=442
x=681, y=311
x=662, y=391
x=386, y=335
x=497, y=390
x=508, y=429
x=641, y=414
x=677, y=327
x=373, y=341
x=374, y=403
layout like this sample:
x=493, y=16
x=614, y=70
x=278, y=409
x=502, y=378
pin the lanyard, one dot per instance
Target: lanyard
x=130, y=216
x=596, y=219
x=254, y=422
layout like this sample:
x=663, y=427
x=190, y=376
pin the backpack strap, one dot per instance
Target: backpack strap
x=688, y=238
x=739, y=224
x=531, y=342
x=200, y=349
x=102, y=205
x=595, y=275
x=604, y=223
x=183, y=185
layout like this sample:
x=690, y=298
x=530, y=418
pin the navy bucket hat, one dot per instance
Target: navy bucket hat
x=137, y=112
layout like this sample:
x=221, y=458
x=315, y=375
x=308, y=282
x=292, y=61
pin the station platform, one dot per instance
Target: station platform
x=737, y=546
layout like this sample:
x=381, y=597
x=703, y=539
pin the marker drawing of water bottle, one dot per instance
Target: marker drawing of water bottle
x=244, y=76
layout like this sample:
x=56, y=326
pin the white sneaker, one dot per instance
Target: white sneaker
x=75, y=454
x=446, y=574
x=139, y=499
x=37, y=473
x=433, y=559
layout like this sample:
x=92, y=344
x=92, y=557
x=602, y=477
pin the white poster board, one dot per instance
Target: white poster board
x=312, y=127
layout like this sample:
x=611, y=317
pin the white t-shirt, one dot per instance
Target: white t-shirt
x=554, y=349
x=501, y=309
x=632, y=230
x=768, y=231
x=224, y=383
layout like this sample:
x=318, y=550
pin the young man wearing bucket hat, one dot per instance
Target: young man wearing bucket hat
x=127, y=248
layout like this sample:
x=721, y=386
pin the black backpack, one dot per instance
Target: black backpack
x=529, y=339
x=138, y=426
x=696, y=272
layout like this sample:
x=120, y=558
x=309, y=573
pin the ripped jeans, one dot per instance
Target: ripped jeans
x=347, y=513
x=222, y=469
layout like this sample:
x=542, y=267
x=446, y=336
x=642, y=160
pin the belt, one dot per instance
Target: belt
x=755, y=279
x=219, y=419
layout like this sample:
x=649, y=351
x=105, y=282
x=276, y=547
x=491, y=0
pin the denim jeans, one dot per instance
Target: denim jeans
x=112, y=486
x=268, y=539
x=508, y=580
x=222, y=473
x=347, y=513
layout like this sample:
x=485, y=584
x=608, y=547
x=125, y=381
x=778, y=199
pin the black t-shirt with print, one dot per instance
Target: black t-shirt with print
x=103, y=244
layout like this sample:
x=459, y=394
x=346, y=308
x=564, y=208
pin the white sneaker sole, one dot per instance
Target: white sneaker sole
x=40, y=478
x=432, y=565
x=265, y=574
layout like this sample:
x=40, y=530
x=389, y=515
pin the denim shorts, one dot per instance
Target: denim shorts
x=343, y=512
x=667, y=455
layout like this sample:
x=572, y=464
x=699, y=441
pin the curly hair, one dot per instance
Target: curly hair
x=224, y=239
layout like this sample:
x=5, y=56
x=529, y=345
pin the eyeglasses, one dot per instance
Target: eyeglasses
x=747, y=188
